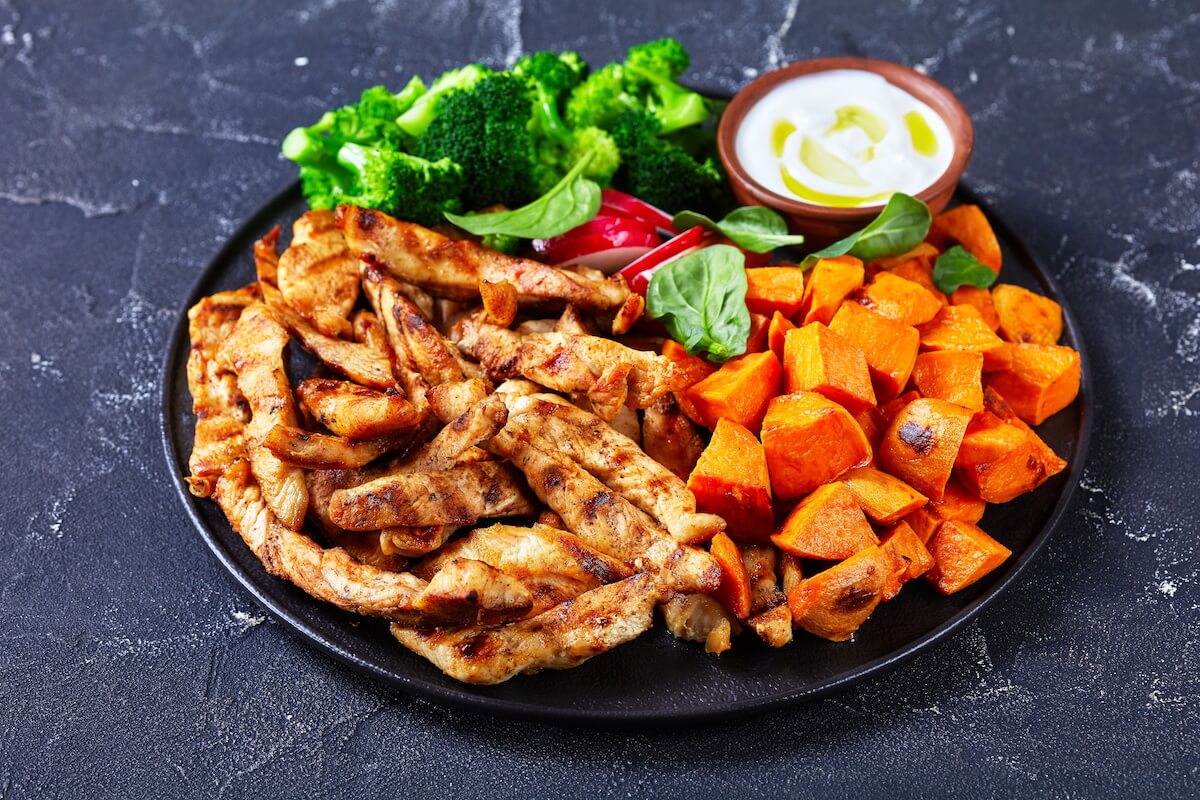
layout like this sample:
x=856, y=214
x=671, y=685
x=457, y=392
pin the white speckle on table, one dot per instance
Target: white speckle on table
x=775, y=53
x=44, y=365
x=301, y=61
x=1168, y=587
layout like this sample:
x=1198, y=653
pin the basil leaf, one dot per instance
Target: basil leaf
x=569, y=203
x=756, y=228
x=701, y=299
x=956, y=267
x=900, y=226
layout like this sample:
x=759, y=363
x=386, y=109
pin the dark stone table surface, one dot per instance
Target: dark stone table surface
x=135, y=135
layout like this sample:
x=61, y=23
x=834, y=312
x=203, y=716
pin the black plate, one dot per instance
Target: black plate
x=655, y=678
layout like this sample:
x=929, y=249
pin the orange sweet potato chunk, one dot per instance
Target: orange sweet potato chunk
x=920, y=271
x=829, y=283
x=833, y=604
x=731, y=481
x=889, y=346
x=900, y=299
x=981, y=299
x=908, y=551
x=962, y=328
x=923, y=522
x=1001, y=459
x=734, y=590
x=923, y=252
x=739, y=391
x=885, y=498
x=760, y=324
x=955, y=376
x=771, y=289
x=1041, y=380
x=962, y=554
x=809, y=440
x=776, y=332
x=694, y=368
x=922, y=442
x=828, y=524
x=966, y=226
x=1026, y=316
x=957, y=502
x=815, y=359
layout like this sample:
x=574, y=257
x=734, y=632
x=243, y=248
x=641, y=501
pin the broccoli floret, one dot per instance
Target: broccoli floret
x=416, y=119
x=502, y=242
x=556, y=160
x=651, y=70
x=405, y=186
x=599, y=100
x=320, y=188
x=663, y=174
x=485, y=128
x=552, y=75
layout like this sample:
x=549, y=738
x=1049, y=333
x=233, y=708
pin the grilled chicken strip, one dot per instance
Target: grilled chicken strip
x=266, y=257
x=769, y=614
x=603, y=519
x=609, y=373
x=563, y=637
x=553, y=564
x=365, y=546
x=255, y=353
x=556, y=425
x=357, y=412
x=464, y=586
x=700, y=618
x=302, y=448
x=317, y=275
x=455, y=269
x=670, y=438
x=221, y=411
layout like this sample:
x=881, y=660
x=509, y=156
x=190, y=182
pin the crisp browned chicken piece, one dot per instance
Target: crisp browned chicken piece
x=700, y=618
x=670, y=438
x=360, y=363
x=317, y=275
x=609, y=373
x=455, y=269
x=365, y=546
x=769, y=615
x=460, y=495
x=358, y=412
x=449, y=400
x=465, y=587
x=554, y=424
x=368, y=330
x=302, y=448
x=221, y=411
x=254, y=351
x=554, y=565
x=603, y=519
x=563, y=637
x=266, y=257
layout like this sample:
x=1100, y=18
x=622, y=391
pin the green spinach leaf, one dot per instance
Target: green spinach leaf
x=569, y=203
x=701, y=299
x=900, y=227
x=956, y=267
x=756, y=228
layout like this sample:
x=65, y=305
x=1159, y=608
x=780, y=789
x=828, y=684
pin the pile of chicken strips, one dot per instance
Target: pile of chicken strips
x=490, y=457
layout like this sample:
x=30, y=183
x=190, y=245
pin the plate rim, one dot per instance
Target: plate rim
x=464, y=699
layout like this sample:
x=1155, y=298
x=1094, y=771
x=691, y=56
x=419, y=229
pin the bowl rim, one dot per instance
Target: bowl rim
x=934, y=94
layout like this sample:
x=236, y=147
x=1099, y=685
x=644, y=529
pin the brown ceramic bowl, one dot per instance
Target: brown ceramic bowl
x=824, y=224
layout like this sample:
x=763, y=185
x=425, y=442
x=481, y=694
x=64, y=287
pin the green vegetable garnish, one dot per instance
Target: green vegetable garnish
x=957, y=267
x=571, y=202
x=756, y=228
x=900, y=226
x=701, y=299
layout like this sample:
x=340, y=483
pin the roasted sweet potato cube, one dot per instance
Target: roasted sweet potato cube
x=962, y=554
x=734, y=590
x=910, y=554
x=923, y=252
x=731, y=481
x=884, y=498
x=981, y=299
x=1001, y=460
x=833, y=604
x=923, y=522
x=920, y=271
x=960, y=328
x=829, y=283
x=966, y=226
x=694, y=368
x=777, y=334
x=739, y=390
x=828, y=524
x=957, y=502
x=955, y=376
x=922, y=442
x=1026, y=317
x=889, y=346
x=873, y=426
x=771, y=289
x=810, y=440
x=815, y=359
x=1041, y=380
x=894, y=297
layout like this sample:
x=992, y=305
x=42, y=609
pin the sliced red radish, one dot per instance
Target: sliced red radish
x=603, y=243
x=639, y=272
x=621, y=204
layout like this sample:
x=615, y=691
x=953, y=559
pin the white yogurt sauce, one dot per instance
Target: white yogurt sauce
x=843, y=138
